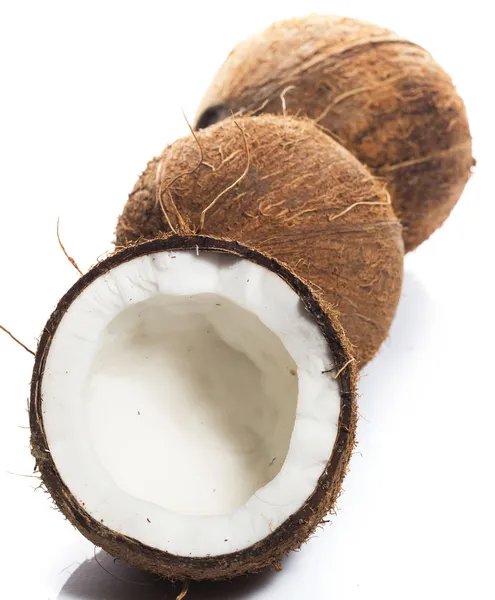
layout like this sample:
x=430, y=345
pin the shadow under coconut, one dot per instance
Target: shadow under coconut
x=105, y=578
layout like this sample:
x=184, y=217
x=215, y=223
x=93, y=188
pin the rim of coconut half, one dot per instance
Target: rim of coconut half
x=193, y=408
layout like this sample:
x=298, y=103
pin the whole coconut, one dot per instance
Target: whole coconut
x=281, y=186
x=383, y=97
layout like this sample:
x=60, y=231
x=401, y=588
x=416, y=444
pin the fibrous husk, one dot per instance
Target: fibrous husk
x=383, y=97
x=281, y=185
x=285, y=538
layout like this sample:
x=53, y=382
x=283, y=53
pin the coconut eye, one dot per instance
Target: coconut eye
x=212, y=115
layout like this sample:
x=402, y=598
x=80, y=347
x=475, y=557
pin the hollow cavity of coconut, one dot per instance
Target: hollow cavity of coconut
x=383, y=97
x=281, y=185
x=193, y=408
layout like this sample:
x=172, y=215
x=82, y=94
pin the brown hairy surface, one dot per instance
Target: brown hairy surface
x=383, y=97
x=296, y=529
x=282, y=186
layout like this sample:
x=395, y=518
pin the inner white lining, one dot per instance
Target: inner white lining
x=198, y=396
x=107, y=453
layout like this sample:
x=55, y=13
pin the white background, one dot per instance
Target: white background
x=89, y=92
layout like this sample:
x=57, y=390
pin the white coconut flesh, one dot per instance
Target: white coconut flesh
x=185, y=404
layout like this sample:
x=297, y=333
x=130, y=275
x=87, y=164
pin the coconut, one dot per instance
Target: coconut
x=193, y=408
x=383, y=97
x=283, y=186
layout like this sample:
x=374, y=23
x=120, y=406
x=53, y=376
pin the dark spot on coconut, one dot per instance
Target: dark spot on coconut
x=328, y=371
x=292, y=372
x=224, y=261
x=212, y=115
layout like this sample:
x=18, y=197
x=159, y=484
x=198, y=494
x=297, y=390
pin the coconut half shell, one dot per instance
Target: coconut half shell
x=112, y=305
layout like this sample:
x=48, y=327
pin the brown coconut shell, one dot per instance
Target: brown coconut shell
x=296, y=529
x=383, y=97
x=284, y=187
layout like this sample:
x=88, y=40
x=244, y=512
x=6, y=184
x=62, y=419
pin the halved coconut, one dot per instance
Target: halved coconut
x=193, y=408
